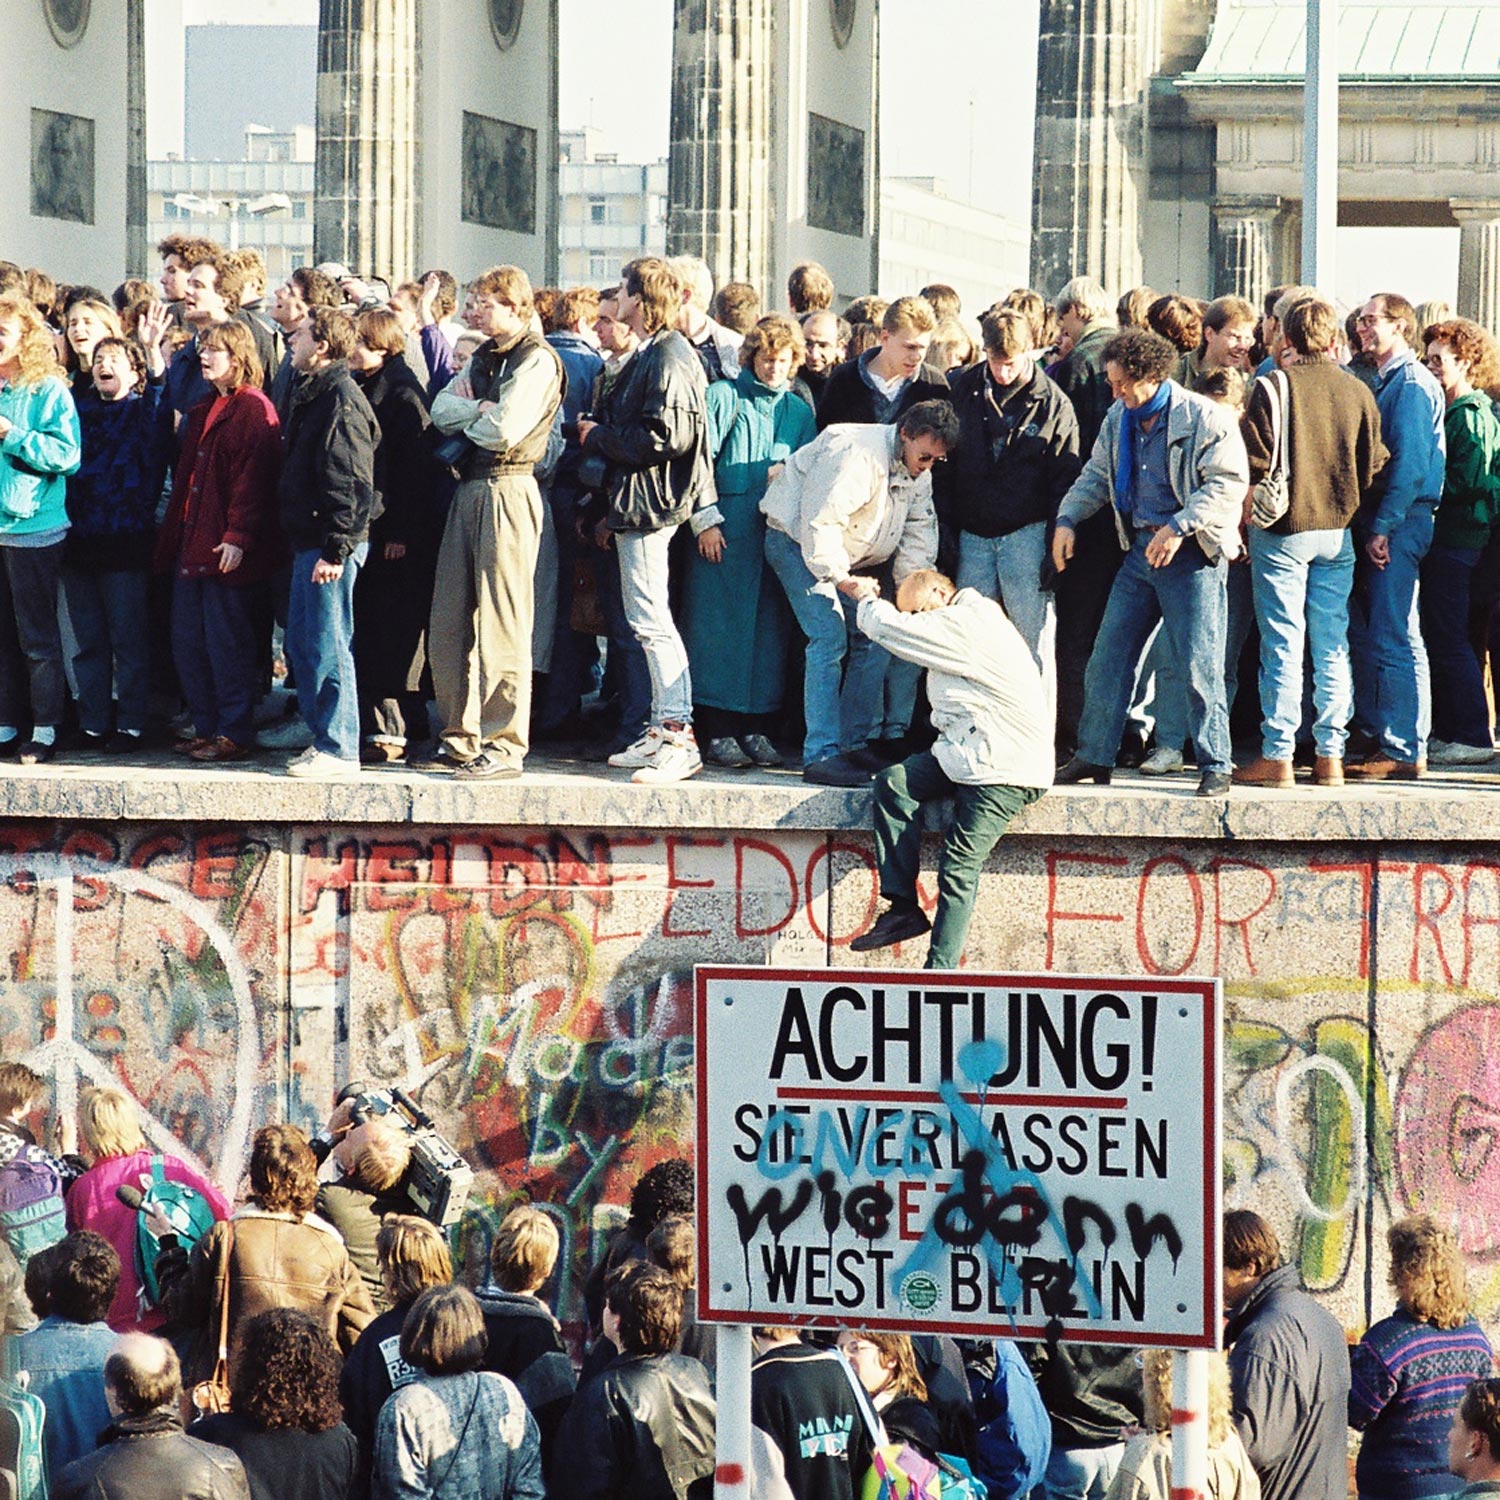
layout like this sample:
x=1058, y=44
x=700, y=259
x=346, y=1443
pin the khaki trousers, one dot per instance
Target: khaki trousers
x=479, y=637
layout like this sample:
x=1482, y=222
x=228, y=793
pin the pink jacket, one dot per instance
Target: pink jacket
x=92, y=1205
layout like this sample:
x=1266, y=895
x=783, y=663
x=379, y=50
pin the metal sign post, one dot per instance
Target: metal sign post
x=1320, y=145
x=1190, y=1425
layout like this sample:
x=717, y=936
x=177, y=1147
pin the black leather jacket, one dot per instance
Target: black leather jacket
x=642, y=1429
x=149, y=1457
x=653, y=430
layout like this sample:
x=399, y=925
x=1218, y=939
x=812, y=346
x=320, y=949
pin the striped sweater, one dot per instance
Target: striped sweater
x=1407, y=1379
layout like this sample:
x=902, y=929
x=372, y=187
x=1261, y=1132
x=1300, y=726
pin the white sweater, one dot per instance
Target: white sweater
x=988, y=704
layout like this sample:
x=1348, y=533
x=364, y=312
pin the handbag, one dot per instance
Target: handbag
x=212, y=1395
x=586, y=614
x=1271, y=497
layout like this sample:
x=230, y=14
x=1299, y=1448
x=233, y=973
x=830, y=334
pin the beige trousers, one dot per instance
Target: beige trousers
x=479, y=637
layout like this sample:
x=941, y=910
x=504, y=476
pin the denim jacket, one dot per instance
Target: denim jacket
x=1411, y=423
x=38, y=453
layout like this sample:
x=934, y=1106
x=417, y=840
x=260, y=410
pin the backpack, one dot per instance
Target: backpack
x=191, y=1216
x=23, y=1472
x=31, y=1203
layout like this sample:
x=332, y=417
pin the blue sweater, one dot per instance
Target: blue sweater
x=112, y=499
x=1407, y=1379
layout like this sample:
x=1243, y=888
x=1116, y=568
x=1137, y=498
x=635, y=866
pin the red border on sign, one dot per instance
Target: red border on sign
x=1205, y=990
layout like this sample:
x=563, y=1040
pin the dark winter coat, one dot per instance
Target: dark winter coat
x=1017, y=455
x=327, y=491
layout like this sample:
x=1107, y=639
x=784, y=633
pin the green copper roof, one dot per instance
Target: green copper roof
x=1451, y=39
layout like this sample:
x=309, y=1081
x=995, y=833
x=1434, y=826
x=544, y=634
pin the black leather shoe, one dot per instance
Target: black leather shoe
x=836, y=770
x=867, y=758
x=37, y=752
x=724, y=750
x=1082, y=770
x=1214, y=784
x=896, y=924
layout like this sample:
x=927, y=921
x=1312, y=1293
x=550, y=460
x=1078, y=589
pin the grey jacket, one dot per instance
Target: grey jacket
x=1289, y=1388
x=1208, y=469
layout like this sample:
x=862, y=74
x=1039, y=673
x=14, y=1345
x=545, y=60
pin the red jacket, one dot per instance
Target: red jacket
x=224, y=490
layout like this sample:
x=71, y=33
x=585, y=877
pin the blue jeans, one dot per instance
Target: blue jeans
x=879, y=695
x=643, y=594
x=108, y=611
x=1008, y=569
x=1460, y=713
x=1302, y=584
x=1188, y=597
x=320, y=645
x=1392, y=690
x=216, y=652
x=1162, y=677
x=1081, y=1473
x=817, y=607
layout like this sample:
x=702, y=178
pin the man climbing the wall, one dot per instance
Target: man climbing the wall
x=993, y=754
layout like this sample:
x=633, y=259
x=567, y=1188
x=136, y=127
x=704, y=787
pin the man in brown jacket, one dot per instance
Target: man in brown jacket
x=1302, y=567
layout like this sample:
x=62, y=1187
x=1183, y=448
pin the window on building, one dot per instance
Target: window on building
x=601, y=268
x=598, y=211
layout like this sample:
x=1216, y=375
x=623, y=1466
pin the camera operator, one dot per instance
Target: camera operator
x=369, y=1158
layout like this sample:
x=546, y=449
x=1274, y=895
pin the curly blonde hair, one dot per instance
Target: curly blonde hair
x=1427, y=1271
x=1156, y=1387
x=36, y=360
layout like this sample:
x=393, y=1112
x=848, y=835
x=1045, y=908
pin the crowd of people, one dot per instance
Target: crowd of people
x=643, y=519
x=311, y=1342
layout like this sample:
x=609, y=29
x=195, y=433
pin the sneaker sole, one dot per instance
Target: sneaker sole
x=661, y=779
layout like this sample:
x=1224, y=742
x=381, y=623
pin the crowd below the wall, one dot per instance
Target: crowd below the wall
x=311, y=1341
x=639, y=521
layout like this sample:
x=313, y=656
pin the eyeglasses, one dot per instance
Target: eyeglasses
x=1368, y=320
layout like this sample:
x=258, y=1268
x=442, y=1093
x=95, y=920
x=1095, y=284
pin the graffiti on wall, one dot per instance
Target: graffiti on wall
x=530, y=987
x=532, y=991
x=147, y=961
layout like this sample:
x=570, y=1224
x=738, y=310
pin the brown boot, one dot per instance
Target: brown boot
x=1328, y=770
x=1264, y=772
x=1384, y=768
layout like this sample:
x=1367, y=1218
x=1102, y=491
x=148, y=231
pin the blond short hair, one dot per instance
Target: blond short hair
x=525, y=1249
x=909, y=314
x=109, y=1123
x=380, y=1157
x=509, y=282
x=412, y=1255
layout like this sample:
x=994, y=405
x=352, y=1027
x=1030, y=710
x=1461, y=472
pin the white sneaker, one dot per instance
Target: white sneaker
x=308, y=755
x=1444, y=753
x=318, y=765
x=293, y=734
x=642, y=753
x=1161, y=763
x=675, y=760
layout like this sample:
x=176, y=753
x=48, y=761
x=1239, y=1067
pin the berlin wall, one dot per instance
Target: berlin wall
x=531, y=987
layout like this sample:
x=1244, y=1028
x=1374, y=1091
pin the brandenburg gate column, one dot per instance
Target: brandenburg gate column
x=1244, y=245
x=1478, y=259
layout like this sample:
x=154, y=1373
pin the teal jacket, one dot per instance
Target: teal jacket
x=38, y=453
x=1471, y=478
x=750, y=427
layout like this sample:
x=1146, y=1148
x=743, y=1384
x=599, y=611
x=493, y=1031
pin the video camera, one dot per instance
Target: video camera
x=439, y=1179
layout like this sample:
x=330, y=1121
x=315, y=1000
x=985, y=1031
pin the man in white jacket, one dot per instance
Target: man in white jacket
x=854, y=498
x=993, y=754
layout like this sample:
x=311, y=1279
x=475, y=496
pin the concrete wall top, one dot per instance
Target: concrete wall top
x=1447, y=808
x=86, y=80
